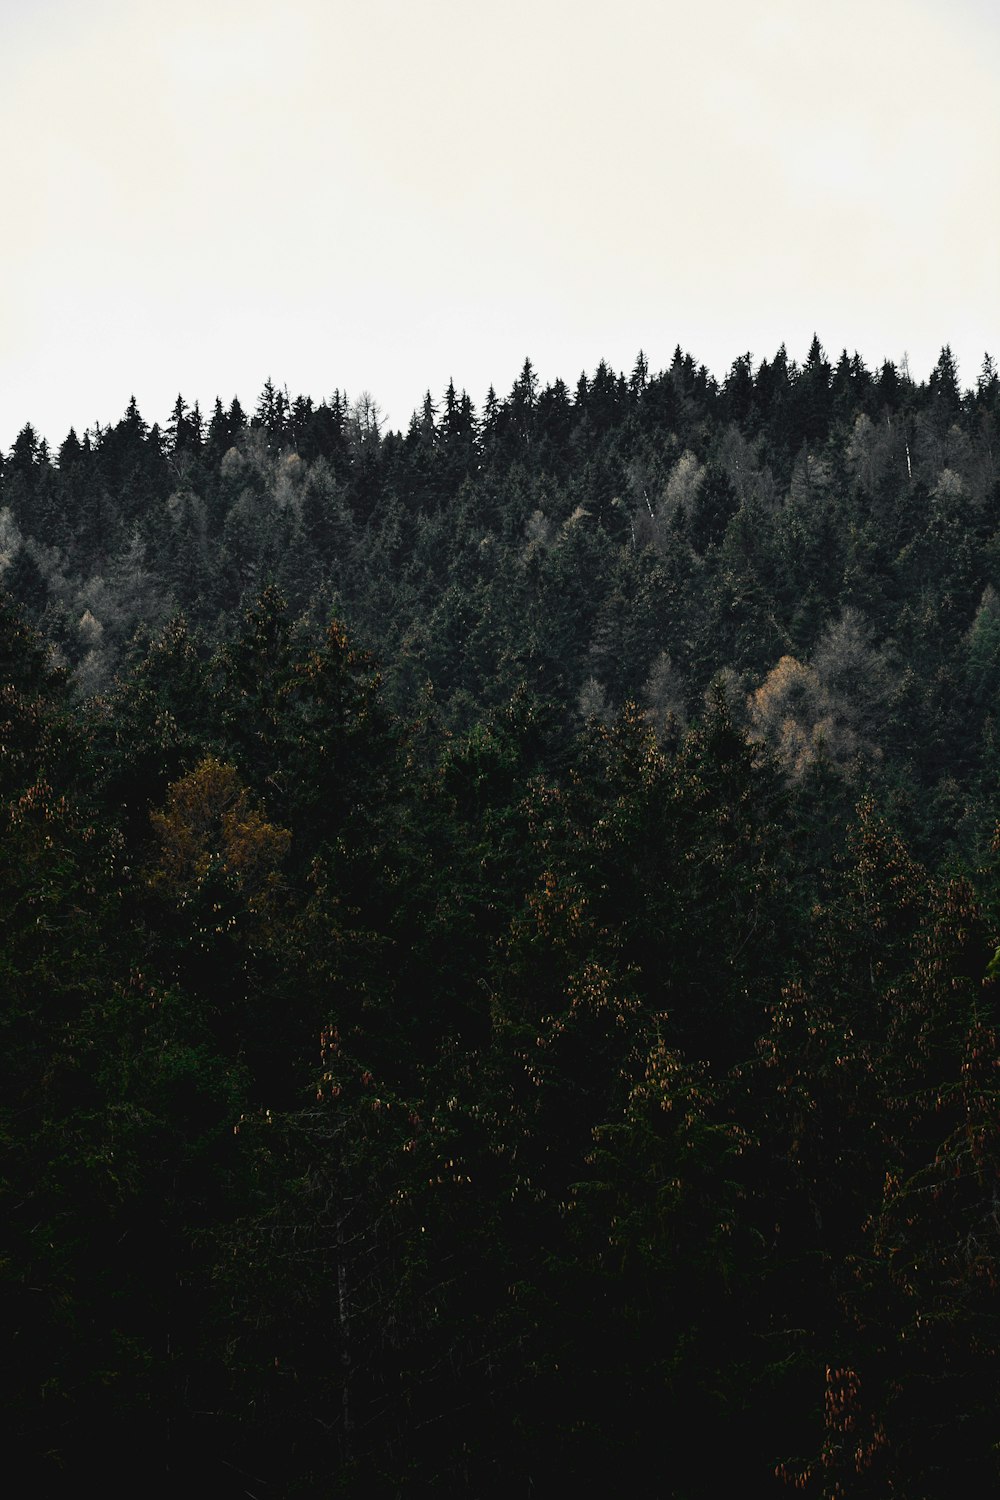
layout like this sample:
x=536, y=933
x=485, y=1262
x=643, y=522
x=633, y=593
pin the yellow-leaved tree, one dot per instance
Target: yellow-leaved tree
x=209, y=829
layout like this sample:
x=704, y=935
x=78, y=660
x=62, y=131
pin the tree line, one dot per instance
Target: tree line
x=499, y=944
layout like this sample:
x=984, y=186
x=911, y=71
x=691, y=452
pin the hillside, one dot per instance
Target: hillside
x=499, y=943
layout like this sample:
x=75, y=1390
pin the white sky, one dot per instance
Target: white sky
x=384, y=193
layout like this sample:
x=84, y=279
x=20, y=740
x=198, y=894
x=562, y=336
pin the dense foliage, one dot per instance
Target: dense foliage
x=499, y=941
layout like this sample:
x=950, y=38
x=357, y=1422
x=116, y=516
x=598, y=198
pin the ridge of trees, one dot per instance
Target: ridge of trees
x=500, y=945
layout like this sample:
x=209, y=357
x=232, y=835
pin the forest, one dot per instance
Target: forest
x=501, y=940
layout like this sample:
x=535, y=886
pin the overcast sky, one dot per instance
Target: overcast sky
x=382, y=194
